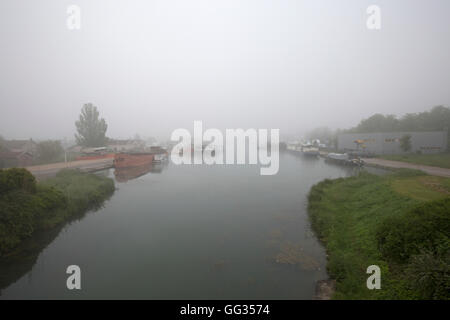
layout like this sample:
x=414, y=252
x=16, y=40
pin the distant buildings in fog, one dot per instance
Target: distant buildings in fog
x=390, y=142
x=17, y=153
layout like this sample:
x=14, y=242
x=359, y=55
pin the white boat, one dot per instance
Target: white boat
x=309, y=150
x=338, y=156
x=344, y=158
x=159, y=158
x=159, y=154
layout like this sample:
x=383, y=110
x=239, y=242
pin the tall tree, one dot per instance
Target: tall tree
x=91, y=129
x=2, y=141
x=405, y=143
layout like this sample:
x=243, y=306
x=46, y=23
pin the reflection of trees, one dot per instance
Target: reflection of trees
x=22, y=260
x=24, y=257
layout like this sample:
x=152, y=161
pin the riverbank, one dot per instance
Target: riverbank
x=398, y=222
x=45, y=171
x=27, y=206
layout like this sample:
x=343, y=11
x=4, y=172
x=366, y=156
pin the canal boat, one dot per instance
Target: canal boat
x=123, y=174
x=310, y=151
x=345, y=159
x=127, y=160
x=160, y=158
x=160, y=154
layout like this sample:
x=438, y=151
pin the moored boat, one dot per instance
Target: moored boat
x=338, y=157
x=126, y=160
x=160, y=157
x=344, y=158
x=160, y=154
x=124, y=174
x=96, y=157
x=310, y=151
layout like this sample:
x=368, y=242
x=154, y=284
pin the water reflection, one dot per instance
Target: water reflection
x=129, y=173
x=23, y=258
x=197, y=232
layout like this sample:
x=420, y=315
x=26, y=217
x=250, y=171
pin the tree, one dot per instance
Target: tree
x=91, y=129
x=405, y=143
x=2, y=141
x=49, y=151
x=377, y=123
x=437, y=119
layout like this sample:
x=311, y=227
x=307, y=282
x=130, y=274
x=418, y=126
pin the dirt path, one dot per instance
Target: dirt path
x=47, y=170
x=434, y=171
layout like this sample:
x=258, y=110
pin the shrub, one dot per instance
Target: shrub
x=425, y=227
x=26, y=207
x=15, y=179
x=429, y=275
x=21, y=213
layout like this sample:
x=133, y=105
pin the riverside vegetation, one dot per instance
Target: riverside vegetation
x=27, y=206
x=400, y=222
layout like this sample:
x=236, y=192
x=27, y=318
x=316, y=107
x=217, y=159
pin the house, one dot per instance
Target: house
x=20, y=146
x=9, y=159
x=125, y=145
x=17, y=153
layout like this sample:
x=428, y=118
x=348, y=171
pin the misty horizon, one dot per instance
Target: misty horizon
x=154, y=66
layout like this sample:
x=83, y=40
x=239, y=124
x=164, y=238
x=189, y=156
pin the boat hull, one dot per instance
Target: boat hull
x=127, y=160
x=96, y=157
x=123, y=174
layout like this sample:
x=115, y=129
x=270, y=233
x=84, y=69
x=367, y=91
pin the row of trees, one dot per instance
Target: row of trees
x=437, y=119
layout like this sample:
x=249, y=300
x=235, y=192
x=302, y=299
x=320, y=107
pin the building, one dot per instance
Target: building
x=125, y=145
x=389, y=142
x=17, y=153
x=10, y=159
x=20, y=146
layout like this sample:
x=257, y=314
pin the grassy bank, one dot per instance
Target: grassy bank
x=399, y=222
x=436, y=160
x=27, y=206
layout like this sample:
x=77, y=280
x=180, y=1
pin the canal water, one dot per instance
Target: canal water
x=186, y=232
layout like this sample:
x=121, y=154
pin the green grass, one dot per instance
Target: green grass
x=423, y=188
x=441, y=160
x=27, y=206
x=347, y=213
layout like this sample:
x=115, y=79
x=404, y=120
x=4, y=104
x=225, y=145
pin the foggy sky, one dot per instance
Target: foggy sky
x=154, y=66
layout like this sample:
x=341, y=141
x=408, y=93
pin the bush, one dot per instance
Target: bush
x=420, y=240
x=21, y=213
x=26, y=207
x=429, y=275
x=425, y=227
x=16, y=179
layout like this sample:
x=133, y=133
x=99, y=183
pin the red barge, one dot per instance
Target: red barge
x=127, y=160
x=136, y=159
